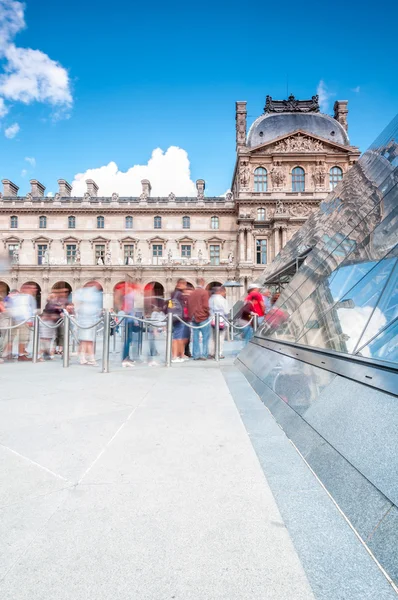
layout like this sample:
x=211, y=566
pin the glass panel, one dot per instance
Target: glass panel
x=157, y=222
x=214, y=222
x=129, y=222
x=261, y=252
x=99, y=253
x=42, y=254
x=214, y=255
x=128, y=254
x=14, y=222
x=186, y=250
x=157, y=250
x=386, y=310
x=384, y=346
x=341, y=327
x=71, y=254
x=71, y=222
x=100, y=222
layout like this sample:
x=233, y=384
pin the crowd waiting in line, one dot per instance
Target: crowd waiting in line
x=193, y=315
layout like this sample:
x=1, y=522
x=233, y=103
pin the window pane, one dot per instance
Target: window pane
x=186, y=250
x=99, y=253
x=260, y=180
x=298, y=179
x=71, y=254
x=43, y=222
x=214, y=254
x=157, y=222
x=71, y=222
x=335, y=175
x=42, y=254
x=186, y=222
x=157, y=250
x=384, y=346
x=261, y=214
x=14, y=222
x=129, y=222
x=261, y=252
x=214, y=222
x=128, y=254
x=100, y=222
x=11, y=249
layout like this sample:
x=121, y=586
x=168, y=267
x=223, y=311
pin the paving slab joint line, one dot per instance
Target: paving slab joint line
x=109, y=442
x=36, y=464
x=369, y=551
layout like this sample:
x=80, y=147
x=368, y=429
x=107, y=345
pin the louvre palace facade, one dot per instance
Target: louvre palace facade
x=286, y=163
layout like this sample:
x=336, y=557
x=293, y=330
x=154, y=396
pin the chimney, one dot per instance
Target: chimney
x=240, y=124
x=341, y=112
x=65, y=188
x=9, y=188
x=36, y=188
x=92, y=188
x=200, y=186
x=146, y=188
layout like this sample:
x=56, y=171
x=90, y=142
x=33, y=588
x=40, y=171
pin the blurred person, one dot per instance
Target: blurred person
x=266, y=294
x=88, y=307
x=61, y=299
x=22, y=307
x=127, y=308
x=276, y=316
x=187, y=335
x=154, y=332
x=254, y=296
x=47, y=332
x=4, y=322
x=218, y=304
x=198, y=310
x=176, y=306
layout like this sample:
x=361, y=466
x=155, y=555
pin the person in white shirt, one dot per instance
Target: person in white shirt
x=22, y=307
x=218, y=304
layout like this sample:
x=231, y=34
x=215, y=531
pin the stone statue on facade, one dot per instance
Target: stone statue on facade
x=291, y=105
x=172, y=197
x=278, y=175
x=244, y=175
x=319, y=175
x=29, y=197
x=139, y=257
x=108, y=258
x=144, y=196
x=15, y=256
x=57, y=197
x=200, y=256
x=280, y=208
x=299, y=143
x=169, y=256
x=100, y=262
x=130, y=261
x=87, y=196
x=77, y=257
x=230, y=258
x=46, y=258
x=229, y=196
x=115, y=197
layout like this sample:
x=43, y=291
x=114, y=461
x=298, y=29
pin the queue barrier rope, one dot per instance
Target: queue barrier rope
x=160, y=323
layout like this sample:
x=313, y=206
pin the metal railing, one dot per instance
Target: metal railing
x=111, y=320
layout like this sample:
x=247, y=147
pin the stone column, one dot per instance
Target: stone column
x=242, y=249
x=249, y=250
x=284, y=236
x=276, y=241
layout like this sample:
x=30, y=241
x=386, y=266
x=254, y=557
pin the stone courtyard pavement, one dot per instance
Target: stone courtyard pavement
x=158, y=484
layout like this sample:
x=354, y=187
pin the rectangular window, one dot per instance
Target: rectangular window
x=11, y=248
x=261, y=252
x=42, y=254
x=157, y=250
x=99, y=253
x=128, y=254
x=215, y=254
x=71, y=254
x=186, y=250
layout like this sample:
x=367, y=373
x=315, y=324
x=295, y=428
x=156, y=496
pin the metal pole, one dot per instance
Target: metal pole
x=231, y=329
x=35, y=352
x=169, y=338
x=105, y=347
x=66, y=340
x=217, y=338
x=255, y=323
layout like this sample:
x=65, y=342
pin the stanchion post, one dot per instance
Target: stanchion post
x=255, y=323
x=169, y=338
x=35, y=352
x=105, y=346
x=66, y=340
x=231, y=330
x=217, y=336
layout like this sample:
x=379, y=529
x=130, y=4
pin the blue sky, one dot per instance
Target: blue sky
x=154, y=75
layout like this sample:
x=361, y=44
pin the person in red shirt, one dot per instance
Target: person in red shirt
x=255, y=297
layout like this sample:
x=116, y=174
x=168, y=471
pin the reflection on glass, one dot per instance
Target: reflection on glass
x=384, y=346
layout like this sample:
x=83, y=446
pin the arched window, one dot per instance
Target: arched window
x=215, y=223
x=100, y=222
x=261, y=214
x=129, y=222
x=14, y=222
x=157, y=222
x=186, y=222
x=71, y=222
x=42, y=222
x=335, y=175
x=298, y=179
x=260, y=180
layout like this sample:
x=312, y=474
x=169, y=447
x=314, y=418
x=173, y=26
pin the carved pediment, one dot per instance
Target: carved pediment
x=99, y=240
x=300, y=142
x=70, y=239
x=185, y=240
x=41, y=239
x=12, y=239
x=128, y=240
x=157, y=240
x=215, y=240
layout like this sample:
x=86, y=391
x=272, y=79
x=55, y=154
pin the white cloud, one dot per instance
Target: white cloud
x=3, y=108
x=354, y=321
x=167, y=171
x=11, y=131
x=24, y=172
x=29, y=75
x=31, y=160
x=356, y=89
x=50, y=194
x=324, y=96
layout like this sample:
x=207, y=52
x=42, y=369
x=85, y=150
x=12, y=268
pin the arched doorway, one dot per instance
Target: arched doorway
x=212, y=285
x=190, y=285
x=32, y=288
x=4, y=289
x=63, y=290
x=153, y=295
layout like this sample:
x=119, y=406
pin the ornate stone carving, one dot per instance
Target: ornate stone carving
x=29, y=197
x=299, y=143
x=241, y=128
x=108, y=258
x=169, y=256
x=139, y=257
x=77, y=257
x=278, y=175
x=280, y=209
x=244, y=174
x=230, y=258
x=318, y=175
x=15, y=256
x=172, y=197
x=115, y=197
x=144, y=196
x=246, y=215
x=100, y=262
x=299, y=209
x=291, y=105
x=229, y=196
x=57, y=197
x=87, y=197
